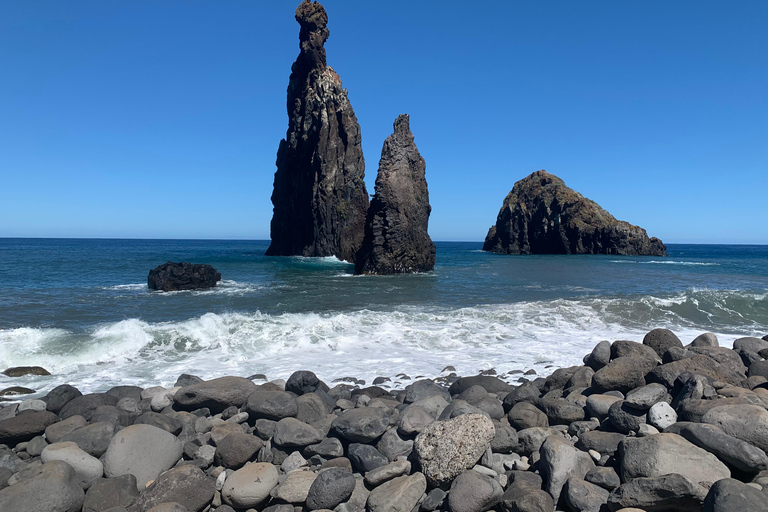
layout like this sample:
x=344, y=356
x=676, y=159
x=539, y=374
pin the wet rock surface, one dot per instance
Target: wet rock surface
x=171, y=277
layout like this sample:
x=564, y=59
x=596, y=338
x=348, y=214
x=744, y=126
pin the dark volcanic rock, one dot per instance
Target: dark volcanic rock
x=396, y=239
x=543, y=216
x=172, y=276
x=320, y=200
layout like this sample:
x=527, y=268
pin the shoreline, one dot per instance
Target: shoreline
x=583, y=437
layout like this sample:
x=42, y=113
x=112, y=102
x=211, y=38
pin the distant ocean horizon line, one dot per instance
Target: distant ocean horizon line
x=206, y=239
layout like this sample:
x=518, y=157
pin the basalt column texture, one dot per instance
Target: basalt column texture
x=396, y=239
x=543, y=216
x=319, y=196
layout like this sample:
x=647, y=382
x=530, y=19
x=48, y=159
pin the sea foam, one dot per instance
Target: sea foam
x=367, y=343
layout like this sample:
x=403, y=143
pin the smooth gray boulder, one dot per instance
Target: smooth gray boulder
x=236, y=449
x=56, y=431
x=645, y=396
x=400, y=494
x=671, y=492
x=88, y=468
x=185, y=485
x=490, y=383
x=525, y=415
x=295, y=487
x=93, y=439
x=59, y=396
x=582, y=496
x=605, y=443
x=108, y=493
x=622, y=374
x=328, y=448
x=143, y=451
x=387, y=472
x=661, y=340
x=291, y=432
x=473, y=492
x=55, y=487
x=561, y=461
x=521, y=496
x=746, y=422
x=560, y=411
x=271, y=405
x=86, y=405
x=734, y=452
x=529, y=440
x=363, y=425
x=706, y=339
x=599, y=404
x=24, y=427
x=365, y=457
x=662, y=454
x=215, y=394
x=447, y=448
x=392, y=445
x=625, y=418
x=505, y=440
x=730, y=495
x=605, y=477
x=413, y=420
x=600, y=355
x=331, y=487
x=250, y=486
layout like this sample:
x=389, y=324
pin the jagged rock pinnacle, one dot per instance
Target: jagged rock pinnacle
x=396, y=239
x=320, y=200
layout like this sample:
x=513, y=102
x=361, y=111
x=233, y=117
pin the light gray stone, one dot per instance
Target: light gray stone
x=661, y=415
x=88, y=468
x=746, y=422
x=54, y=488
x=559, y=462
x=400, y=494
x=250, y=485
x=143, y=451
x=663, y=454
x=473, y=492
x=295, y=487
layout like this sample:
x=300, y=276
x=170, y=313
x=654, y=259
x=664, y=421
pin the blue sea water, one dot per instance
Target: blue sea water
x=81, y=309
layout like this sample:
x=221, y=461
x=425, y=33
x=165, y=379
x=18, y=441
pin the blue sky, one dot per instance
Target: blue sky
x=149, y=119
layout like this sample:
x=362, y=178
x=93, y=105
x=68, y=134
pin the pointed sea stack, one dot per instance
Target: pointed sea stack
x=543, y=216
x=319, y=196
x=396, y=239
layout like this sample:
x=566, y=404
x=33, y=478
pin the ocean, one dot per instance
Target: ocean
x=81, y=309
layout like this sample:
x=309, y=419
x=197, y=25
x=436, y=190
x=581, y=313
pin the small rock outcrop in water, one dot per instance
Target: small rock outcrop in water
x=543, y=216
x=320, y=200
x=396, y=239
x=171, y=276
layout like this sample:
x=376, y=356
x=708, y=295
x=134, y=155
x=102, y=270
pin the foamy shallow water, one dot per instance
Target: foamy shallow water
x=81, y=309
x=363, y=344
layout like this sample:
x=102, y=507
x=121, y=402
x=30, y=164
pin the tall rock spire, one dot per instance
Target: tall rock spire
x=320, y=201
x=396, y=239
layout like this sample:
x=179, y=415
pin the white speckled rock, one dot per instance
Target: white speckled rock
x=447, y=448
x=661, y=415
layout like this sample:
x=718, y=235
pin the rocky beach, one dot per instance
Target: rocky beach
x=645, y=425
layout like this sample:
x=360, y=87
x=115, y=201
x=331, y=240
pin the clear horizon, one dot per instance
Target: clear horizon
x=143, y=120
